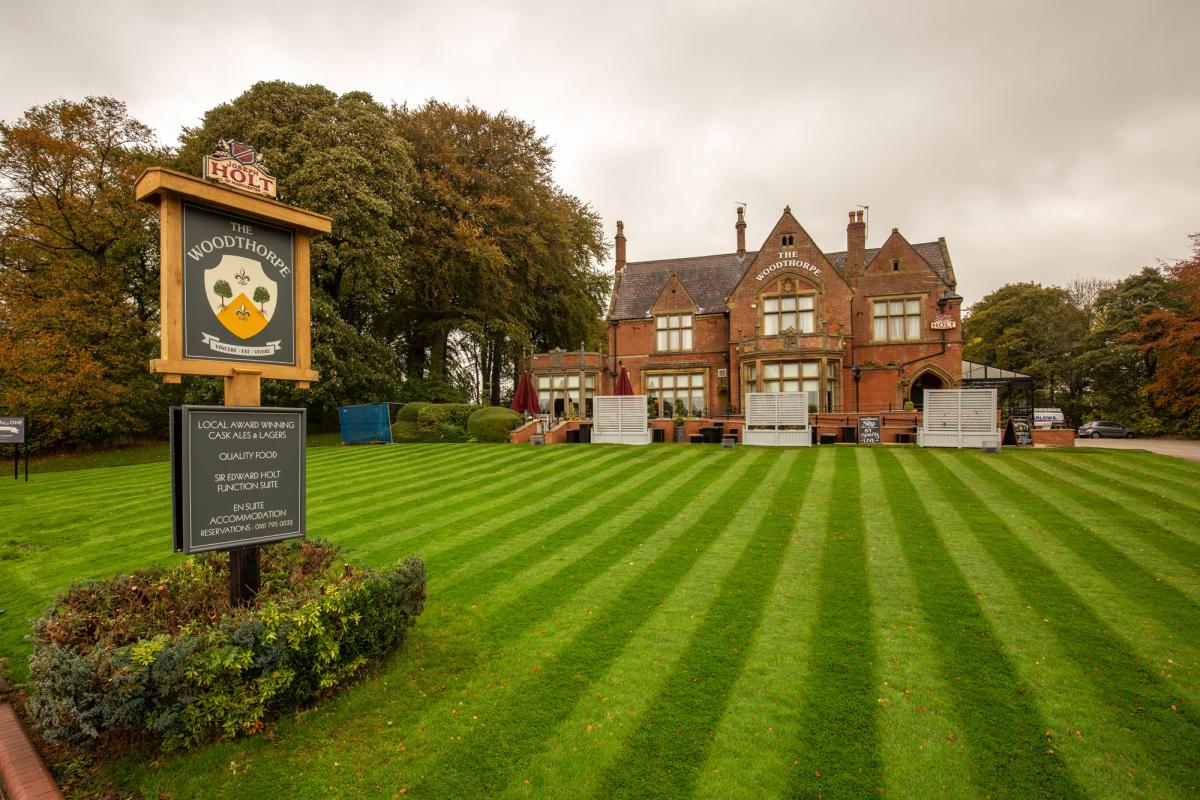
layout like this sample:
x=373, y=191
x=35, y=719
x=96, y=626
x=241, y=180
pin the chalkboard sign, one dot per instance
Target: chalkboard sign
x=868, y=430
x=1019, y=432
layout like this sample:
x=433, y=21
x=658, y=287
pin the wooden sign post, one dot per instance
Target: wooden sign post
x=235, y=285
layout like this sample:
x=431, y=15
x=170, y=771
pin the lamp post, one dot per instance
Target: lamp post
x=856, y=371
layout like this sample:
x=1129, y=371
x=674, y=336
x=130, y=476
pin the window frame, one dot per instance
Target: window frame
x=652, y=385
x=779, y=312
x=686, y=333
x=905, y=318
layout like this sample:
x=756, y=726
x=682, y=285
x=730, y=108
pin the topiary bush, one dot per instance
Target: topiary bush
x=160, y=655
x=408, y=412
x=492, y=424
x=435, y=414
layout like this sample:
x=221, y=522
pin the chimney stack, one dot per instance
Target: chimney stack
x=856, y=245
x=620, y=248
x=741, y=232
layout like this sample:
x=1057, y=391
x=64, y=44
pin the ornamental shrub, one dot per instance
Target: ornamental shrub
x=431, y=416
x=492, y=424
x=160, y=655
x=408, y=412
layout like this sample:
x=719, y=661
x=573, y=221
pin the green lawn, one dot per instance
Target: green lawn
x=690, y=621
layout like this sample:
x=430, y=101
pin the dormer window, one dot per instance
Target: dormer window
x=789, y=311
x=674, y=332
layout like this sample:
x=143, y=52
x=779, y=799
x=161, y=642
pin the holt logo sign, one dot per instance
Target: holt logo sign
x=943, y=322
x=239, y=165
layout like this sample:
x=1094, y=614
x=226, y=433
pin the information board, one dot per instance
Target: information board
x=869, y=430
x=238, y=476
x=12, y=430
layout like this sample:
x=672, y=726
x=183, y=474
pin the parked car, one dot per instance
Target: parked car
x=1109, y=430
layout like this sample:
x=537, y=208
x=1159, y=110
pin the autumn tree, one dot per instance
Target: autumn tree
x=339, y=155
x=78, y=273
x=1171, y=336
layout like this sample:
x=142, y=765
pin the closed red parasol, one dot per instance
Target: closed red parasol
x=623, y=387
x=525, y=398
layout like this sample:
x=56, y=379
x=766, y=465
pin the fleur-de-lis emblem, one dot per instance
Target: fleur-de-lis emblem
x=242, y=278
x=242, y=313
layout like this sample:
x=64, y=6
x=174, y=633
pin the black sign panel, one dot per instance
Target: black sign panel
x=868, y=430
x=1019, y=432
x=238, y=476
x=12, y=430
x=239, y=289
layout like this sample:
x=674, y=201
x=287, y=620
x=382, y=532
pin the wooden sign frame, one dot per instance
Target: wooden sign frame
x=170, y=190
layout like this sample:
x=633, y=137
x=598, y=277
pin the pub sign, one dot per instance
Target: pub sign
x=239, y=288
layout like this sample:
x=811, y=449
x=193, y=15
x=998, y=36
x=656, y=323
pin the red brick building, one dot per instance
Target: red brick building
x=861, y=329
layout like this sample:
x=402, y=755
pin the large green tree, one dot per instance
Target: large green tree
x=499, y=258
x=1117, y=367
x=341, y=156
x=1035, y=330
x=78, y=273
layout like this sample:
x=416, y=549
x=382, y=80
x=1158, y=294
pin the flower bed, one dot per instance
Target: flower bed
x=161, y=655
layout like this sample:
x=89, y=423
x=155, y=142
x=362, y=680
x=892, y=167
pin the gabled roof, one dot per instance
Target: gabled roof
x=711, y=279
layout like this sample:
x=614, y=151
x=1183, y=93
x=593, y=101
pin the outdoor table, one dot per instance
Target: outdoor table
x=696, y=438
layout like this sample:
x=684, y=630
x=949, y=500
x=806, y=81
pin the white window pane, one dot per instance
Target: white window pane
x=675, y=340
x=651, y=381
x=770, y=325
x=771, y=304
x=806, y=301
x=880, y=328
x=812, y=369
x=791, y=369
x=880, y=308
x=896, y=329
x=914, y=327
x=770, y=386
x=791, y=386
x=787, y=303
x=812, y=385
x=697, y=401
x=687, y=338
x=674, y=320
x=912, y=306
x=896, y=307
x=591, y=380
x=808, y=322
x=771, y=370
x=686, y=320
x=831, y=369
x=662, y=340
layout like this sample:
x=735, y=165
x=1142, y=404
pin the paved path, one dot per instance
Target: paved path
x=1180, y=448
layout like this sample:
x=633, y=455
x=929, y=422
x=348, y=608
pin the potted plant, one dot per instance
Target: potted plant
x=651, y=407
x=680, y=413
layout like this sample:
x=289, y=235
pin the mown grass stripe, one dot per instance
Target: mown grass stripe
x=1094, y=505
x=1129, y=689
x=1158, y=599
x=555, y=526
x=667, y=750
x=480, y=761
x=442, y=511
x=1121, y=483
x=838, y=751
x=1005, y=732
x=543, y=609
x=1178, y=487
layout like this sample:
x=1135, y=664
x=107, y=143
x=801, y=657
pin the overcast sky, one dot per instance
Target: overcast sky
x=1045, y=140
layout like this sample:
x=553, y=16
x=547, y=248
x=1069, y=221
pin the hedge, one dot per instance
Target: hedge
x=492, y=424
x=160, y=656
x=408, y=412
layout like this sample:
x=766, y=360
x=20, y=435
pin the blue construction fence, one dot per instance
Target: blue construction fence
x=367, y=423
